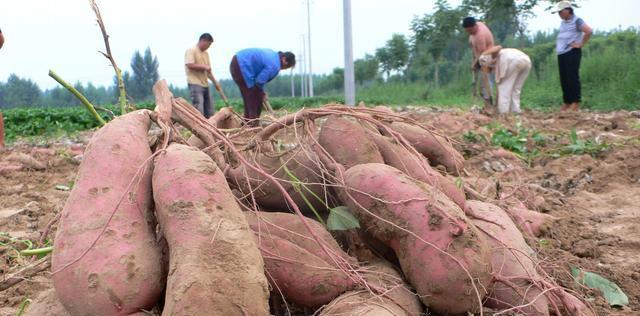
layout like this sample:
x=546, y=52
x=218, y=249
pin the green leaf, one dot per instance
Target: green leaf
x=611, y=291
x=340, y=218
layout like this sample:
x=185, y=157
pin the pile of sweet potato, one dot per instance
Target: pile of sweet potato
x=241, y=221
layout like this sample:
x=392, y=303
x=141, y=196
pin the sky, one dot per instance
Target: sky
x=62, y=35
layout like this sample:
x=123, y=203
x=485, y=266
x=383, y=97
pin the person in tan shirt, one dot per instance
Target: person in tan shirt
x=480, y=39
x=198, y=69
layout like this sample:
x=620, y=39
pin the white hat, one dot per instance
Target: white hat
x=485, y=60
x=561, y=6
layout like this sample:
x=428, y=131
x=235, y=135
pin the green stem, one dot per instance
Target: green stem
x=78, y=95
x=22, y=306
x=35, y=252
x=296, y=186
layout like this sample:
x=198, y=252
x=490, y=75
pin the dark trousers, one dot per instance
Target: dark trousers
x=569, y=66
x=251, y=97
x=201, y=99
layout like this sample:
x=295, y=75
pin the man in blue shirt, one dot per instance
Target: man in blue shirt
x=574, y=33
x=251, y=69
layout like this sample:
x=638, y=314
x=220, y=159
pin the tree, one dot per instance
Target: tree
x=19, y=92
x=506, y=17
x=434, y=31
x=145, y=75
x=366, y=68
x=394, y=55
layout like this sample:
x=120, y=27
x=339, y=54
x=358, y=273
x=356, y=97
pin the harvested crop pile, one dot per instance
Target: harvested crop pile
x=266, y=221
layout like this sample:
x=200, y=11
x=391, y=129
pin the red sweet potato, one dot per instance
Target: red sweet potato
x=298, y=274
x=347, y=142
x=122, y=272
x=215, y=265
x=440, y=252
x=397, y=299
x=417, y=167
x=436, y=148
x=295, y=263
x=530, y=222
x=288, y=226
x=511, y=259
x=225, y=118
x=301, y=163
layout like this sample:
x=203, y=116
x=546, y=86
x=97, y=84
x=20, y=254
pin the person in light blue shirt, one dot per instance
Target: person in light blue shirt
x=573, y=34
x=251, y=69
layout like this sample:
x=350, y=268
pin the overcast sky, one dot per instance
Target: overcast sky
x=62, y=34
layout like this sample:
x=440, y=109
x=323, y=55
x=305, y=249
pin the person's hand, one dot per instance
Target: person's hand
x=576, y=45
x=265, y=97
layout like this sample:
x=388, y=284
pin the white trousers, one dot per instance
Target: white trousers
x=510, y=86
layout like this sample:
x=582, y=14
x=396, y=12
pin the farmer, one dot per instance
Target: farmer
x=574, y=33
x=511, y=68
x=251, y=69
x=198, y=70
x=480, y=39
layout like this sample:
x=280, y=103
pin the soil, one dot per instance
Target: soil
x=596, y=197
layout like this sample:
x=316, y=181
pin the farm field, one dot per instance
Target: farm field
x=582, y=168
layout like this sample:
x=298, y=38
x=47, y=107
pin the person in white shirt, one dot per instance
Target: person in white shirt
x=511, y=68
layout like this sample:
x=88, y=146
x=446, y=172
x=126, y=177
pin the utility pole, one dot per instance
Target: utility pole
x=303, y=78
x=349, y=75
x=293, y=87
x=309, y=39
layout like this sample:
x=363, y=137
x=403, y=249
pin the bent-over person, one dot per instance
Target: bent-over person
x=511, y=68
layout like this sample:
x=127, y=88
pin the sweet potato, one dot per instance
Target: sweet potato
x=396, y=300
x=122, y=272
x=417, y=167
x=347, y=142
x=46, y=303
x=289, y=227
x=301, y=276
x=301, y=164
x=440, y=252
x=215, y=265
x=530, y=222
x=512, y=260
x=436, y=148
x=296, y=265
x=225, y=118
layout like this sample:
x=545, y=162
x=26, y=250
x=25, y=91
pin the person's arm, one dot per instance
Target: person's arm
x=266, y=75
x=202, y=67
x=587, y=35
x=493, y=51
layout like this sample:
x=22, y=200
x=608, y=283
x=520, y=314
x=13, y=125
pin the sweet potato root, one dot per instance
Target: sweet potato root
x=512, y=261
x=440, y=252
x=121, y=273
x=215, y=265
x=300, y=163
x=530, y=222
x=295, y=263
x=417, y=167
x=298, y=274
x=289, y=227
x=347, y=142
x=397, y=299
x=436, y=148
